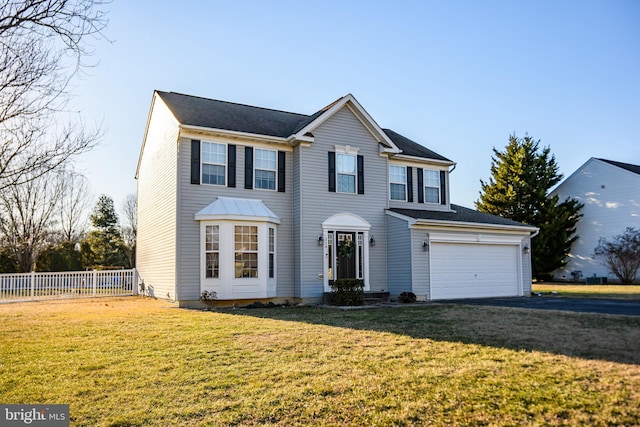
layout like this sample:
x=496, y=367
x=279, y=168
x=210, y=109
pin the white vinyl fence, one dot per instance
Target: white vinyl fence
x=36, y=286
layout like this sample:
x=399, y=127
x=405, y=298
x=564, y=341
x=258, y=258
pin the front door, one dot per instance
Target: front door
x=346, y=255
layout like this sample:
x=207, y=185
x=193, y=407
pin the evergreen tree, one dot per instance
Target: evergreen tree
x=104, y=246
x=518, y=189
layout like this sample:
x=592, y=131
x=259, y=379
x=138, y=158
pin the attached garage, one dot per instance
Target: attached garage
x=455, y=254
x=471, y=270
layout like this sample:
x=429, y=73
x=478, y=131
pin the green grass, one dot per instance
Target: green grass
x=630, y=292
x=139, y=362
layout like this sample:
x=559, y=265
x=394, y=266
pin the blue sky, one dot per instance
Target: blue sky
x=456, y=76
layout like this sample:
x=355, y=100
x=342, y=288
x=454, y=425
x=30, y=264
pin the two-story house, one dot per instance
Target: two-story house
x=254, y=203
x=610, y=192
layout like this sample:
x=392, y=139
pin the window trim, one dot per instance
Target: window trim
x=354, y=174
x=403, y=183
x=225, y=164
x=274, y=170
x=241, y=251
x=425, y=186
x=215, y=273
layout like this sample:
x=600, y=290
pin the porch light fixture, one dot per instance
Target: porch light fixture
x=372, y=241
x=425, y=245
x=525, y=249
x=320, y=240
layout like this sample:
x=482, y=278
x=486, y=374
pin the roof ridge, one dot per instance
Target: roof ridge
x=232, y=103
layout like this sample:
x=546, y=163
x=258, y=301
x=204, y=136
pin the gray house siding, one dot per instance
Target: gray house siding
x=157, y=199
x=415, y=204
x=420, y=264
x=194, y=197
x=318, y=204
x=398, y=256
x=297, y=213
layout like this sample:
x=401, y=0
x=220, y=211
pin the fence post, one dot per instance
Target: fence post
x=135, y=281
x=95, y=281
x=33, y=285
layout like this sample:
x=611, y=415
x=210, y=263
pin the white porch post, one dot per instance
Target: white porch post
x=365, y=260
x=325, y=259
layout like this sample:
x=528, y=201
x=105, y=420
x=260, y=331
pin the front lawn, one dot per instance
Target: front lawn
x=139, y=362
x=630, y=292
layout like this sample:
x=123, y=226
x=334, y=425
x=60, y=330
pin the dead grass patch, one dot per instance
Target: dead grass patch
x=141, y=362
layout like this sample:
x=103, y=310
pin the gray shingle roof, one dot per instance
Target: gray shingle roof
x=461, y=214
x=211, y=113
x=626, y=166
x=215, y=114
x=412, y=148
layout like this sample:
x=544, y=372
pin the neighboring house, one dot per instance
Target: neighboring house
x=254, y=203
x=610, y=192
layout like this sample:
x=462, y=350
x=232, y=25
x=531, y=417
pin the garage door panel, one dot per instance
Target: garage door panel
x=461, y=270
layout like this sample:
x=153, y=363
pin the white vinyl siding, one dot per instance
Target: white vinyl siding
x=214, y=163
x=397, y=182
x=346, y=173
x=265, y=165
x=431, y=186
x=157, y=203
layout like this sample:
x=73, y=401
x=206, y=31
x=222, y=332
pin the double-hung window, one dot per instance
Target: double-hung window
x=397, y=182
x=246, y=251
x=431, y=186
x=346, y=173
x=214, y=163
x=272, y=252
x=212, y=251
x=265, y=169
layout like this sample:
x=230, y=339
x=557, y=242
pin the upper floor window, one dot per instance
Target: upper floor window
x=265, y=169
x=346, y=173
x=431, y=186
x=397, y=182
x=214, y=163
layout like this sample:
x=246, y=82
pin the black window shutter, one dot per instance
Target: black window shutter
x=332, y=171
x=420, y=185
x=409, y=184
x=443, y=188
x=248, y=168
x=360, y=164
x=231, y=165
x=195, y=161
x=281, y=171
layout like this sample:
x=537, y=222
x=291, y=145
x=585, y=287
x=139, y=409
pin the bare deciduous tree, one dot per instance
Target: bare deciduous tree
x=42, y=47
x=74, y=207
x=27, y=216
x=130, y=228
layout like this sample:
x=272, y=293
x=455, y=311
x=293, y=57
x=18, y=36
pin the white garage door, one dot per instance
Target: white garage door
x=464, y=270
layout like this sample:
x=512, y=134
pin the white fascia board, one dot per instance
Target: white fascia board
x=423, y=160
x=475, y=225
x=233, y=134
x=236, y=218
x=362, y=115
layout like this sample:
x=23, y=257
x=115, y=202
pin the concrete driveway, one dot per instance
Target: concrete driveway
x=606, y=306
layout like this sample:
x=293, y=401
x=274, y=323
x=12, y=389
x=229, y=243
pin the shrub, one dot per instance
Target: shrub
x=347, y=292
x=622, y=255
x=407, y=297
x=208, y=297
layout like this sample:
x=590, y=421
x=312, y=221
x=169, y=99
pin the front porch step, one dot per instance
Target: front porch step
x=370, y=297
